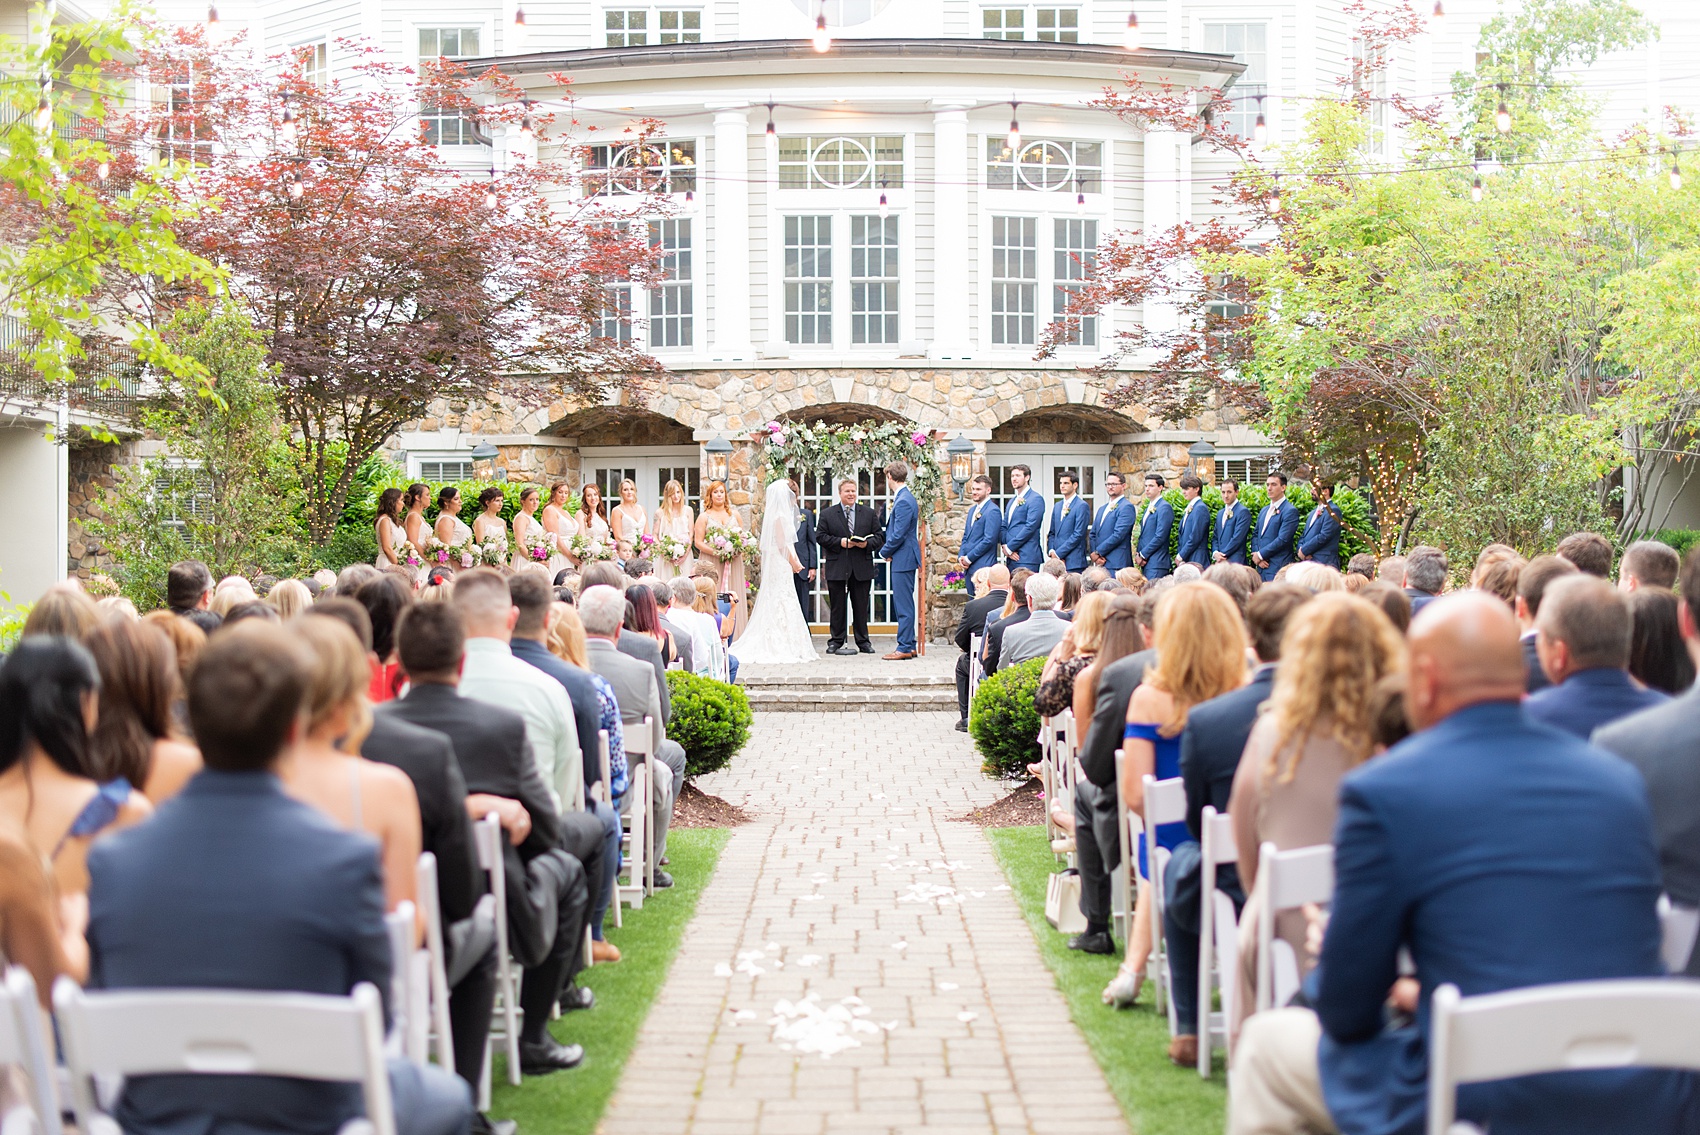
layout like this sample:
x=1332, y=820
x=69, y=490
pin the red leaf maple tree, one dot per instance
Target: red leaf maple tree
x=384, y=276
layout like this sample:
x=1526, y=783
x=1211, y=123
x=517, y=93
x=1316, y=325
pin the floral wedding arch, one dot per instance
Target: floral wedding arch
x=796, y=449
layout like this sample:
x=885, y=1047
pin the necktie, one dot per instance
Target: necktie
x=850, y=519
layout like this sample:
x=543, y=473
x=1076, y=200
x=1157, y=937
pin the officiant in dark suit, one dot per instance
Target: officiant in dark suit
x=848, y=533
x=808, y=555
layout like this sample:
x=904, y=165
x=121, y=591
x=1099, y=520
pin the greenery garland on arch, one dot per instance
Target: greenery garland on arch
x=795, y=448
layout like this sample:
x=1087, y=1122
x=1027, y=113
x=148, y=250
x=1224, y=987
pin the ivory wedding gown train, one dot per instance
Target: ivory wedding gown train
x=776, y=632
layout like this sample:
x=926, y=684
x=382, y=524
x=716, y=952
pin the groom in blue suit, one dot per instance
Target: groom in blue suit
x=902, y=549
x=1272, y=539
x=1070, y=521
x=1112, y=530
x=1155, y=528
x=1024, y=522
x=1501, y=855
x=982, y=533
x=1233, y=525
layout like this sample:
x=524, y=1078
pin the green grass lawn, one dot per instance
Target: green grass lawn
x=1131, y=1045
x=571, y=1102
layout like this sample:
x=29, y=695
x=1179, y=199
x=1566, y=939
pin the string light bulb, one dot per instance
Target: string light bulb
x=1675, y=173
x=1439, y=10
x=519, y=17
x=1476, y=190
x=1275, y=195
x=212, y=15
x=771, y=132
x=1502, y=113
x=286, y=124
x=1260, y=129
x=690, y=196
x=490, y=199
x=1130, y=36
x=1014, y=137
x=526, y=130
x=822, y=37
x=885, y=209
x=1080, y=202
x=296, y=187
x=103, y=170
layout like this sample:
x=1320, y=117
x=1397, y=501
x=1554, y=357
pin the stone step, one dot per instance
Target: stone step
x=845, y=699
x=818, y=682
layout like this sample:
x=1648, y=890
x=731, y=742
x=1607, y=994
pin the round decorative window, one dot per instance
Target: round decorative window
x=639, y=169
x=841, y=163
x=842, y=13
x=1044, y=166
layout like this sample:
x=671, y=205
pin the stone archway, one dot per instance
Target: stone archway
x=618, y=425
x=1065, y=425
x=841, y=414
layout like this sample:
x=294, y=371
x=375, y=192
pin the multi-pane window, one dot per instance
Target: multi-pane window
x=183, y=491
x=442, y=126
x=1074, y=252
x=1045, y=165
x=873, y=279
x=315, y=63
x=184, y=135
x=840, y=162
x=1057, y=25
x=615, y=320
x=1369, y=85
x=641, y=167
x=679, y=25
x=440, y=469
x=1250, y=470
x=1248, y=44
x=671, y=309
x=808, y=280
x=627, y=27
x=1015, y=280
x=1003, y=23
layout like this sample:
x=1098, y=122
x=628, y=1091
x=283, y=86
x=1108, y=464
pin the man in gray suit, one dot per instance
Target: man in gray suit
x=638, y=646
x=1042, y=630
x=1664, y=743
x=603, y=609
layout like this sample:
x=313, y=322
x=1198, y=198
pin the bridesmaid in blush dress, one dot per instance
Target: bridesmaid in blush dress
x=559, y=523
x=451, y=529
x=527, y=528
x=418, y=495
x=388, y=529
x=717, y=513
x=629, y=523
x=593, y=515
x=674, y=518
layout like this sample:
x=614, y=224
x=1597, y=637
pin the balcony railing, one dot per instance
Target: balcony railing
x=108, y=379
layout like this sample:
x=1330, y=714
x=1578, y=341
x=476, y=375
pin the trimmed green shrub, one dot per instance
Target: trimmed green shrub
x=1682, y=539
x=1004, y=722
x=1356, y=535
x=711, y=720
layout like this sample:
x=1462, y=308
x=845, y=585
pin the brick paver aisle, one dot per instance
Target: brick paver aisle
x=854, y=918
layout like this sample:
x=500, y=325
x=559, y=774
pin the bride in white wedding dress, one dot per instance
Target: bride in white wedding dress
x=777, y=632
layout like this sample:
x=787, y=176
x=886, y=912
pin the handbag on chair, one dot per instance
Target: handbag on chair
x=1062, y=902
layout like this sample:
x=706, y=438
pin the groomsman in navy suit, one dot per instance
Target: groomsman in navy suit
x=981, y=535
x=1233, y=525
x=1024, y=523
x=1158, y=524
x=1272, y=541
x=1112, y=531
x=1070, y=520
x=902, y=550
x=1195, y=524
x=1321, y=539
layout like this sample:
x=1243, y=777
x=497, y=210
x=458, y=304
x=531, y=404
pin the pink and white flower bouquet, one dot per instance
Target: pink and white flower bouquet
x=586, y=548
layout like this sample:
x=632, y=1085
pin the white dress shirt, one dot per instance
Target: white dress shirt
x=492, y=674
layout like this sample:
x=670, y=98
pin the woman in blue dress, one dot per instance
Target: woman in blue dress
x=1201, y=654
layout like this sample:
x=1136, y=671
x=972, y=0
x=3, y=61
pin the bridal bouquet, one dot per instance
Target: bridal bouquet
x=493, y=552
x=407, y=554
x=728, y=543
x=539, y=546
x=668, y=548
x=586, y=548
x=461, y=554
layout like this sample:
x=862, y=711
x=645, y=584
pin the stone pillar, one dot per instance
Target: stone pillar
x=730, y=192
x=952, y=169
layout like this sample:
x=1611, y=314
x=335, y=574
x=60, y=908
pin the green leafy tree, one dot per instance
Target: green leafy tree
x=224, y=491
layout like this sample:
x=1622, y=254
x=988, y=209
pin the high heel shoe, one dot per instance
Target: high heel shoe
x=1123, y=989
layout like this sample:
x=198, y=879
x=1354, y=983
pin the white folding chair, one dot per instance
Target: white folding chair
x=1679, y=926
x=23, y=1042
x=632, y=842
x=974, y=669
x=488, y=835
x=223, y=1032
x=1575, y=1026
x=1124, y=888
x=1165, y=803
x=436, y=981
x=641, y=743
x=408, y=999
x=1218, y=935
x=1286, y=879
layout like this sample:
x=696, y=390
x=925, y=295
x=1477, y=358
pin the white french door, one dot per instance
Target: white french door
x=1090, y=463
x=648, y=469
x=820, y=491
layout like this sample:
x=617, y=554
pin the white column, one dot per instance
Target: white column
x=730, y=220
x=1163, y=209
x=952, y=289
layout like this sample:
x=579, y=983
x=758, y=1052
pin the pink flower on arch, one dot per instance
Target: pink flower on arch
x=918, y=438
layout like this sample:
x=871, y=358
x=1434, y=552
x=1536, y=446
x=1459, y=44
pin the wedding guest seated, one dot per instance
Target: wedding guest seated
x=991, y=592
x=250, y=609
x=1132, y=579
x=640, y=568
x=384, y=598
x=1073, y=653
x=1486, y=558
x=1661, y=743
x=1235, y=582
x=548, y=899
x=634, y=683
x=352, y=578
x=1658, y=657
x=1532, y=585
x=1500, y=855
x=674, y=597
x=1314, y=577
x=188, y=587
x=231, y=590
x=1071, y=594
x=326, y=580
x=291, y=597
x=1589, y=551
x=1095, y=578
x=1582, y=636
x=1043, y=628
x=1499, y=578
x=1391, y=570
x=187, y=642
x=1190, y=573
x=645, y=648
x=1215, y=736
x=1320, y=725
x=643, y=618
x=62, y=611
x=135, y=735
x=175, y=903
x=1392, y=601
x=1362, y=565
x=117, y=607
x=1200, y=646
x=49, y=791
x=325, y=769
x=38, y=930
x=1648, y=564
x=678, y=637
x=706, y=605
x=1425, y=576
x=1014, y=612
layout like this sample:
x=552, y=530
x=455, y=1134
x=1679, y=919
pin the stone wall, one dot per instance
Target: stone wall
x=93, y=470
